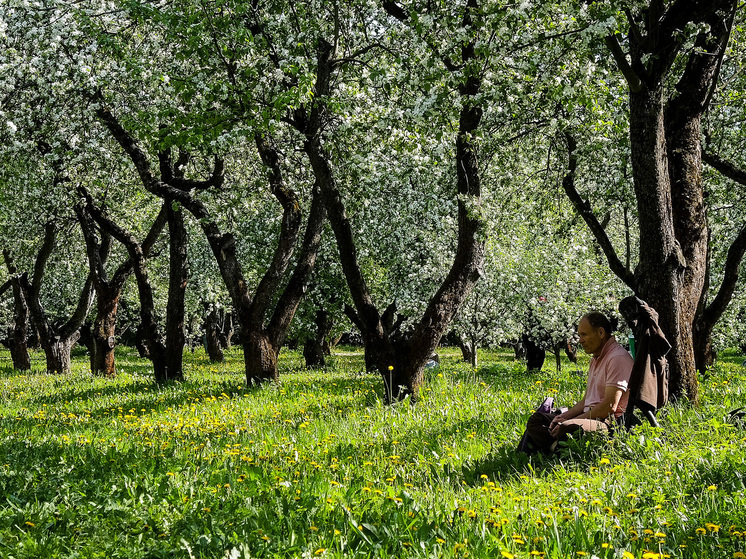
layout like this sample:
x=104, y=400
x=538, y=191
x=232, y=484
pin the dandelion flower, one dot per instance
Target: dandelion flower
x=507, y=554
x=700, y=531
x=712, y=527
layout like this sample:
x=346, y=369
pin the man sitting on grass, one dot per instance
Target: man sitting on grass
x=605, y=396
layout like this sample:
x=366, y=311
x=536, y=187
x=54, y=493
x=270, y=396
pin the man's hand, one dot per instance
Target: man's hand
x=556, y=423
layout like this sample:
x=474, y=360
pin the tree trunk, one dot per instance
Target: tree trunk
x=212, y=337
x=57, y=351
x=148, y=330
x=557, y=351
x=18, y=335
x=57, y=341
x=313, y=350
x=177, y=283
x=468, y=351
x=661, y=267
x=108, y=290
x=261, y=345
x=260, y=357
x=401, y=359
x=535, y=355
x=141, y=343
x=226, y=334
x=103, y=331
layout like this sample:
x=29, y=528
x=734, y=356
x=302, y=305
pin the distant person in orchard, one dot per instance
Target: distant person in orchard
x=606, y=393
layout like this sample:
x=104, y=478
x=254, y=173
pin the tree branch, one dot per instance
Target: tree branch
x=42, y=257
x=7, y=285
x=583, y=207
x=298, y=283
x=725, y=167
x=289, y=231
x=731, y=274
x=633, y=80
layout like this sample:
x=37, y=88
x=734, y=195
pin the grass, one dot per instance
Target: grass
x=318, y=466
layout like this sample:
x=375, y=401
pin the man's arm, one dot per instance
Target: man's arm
x=602, y=410
x=573, y=412
x=605, y=407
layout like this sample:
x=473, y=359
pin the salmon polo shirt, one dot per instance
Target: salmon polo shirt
x=612, y=367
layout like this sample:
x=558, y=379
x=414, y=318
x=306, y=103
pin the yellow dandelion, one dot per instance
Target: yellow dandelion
x=507, y=554
x=651, y=555
x=604, y=461
x=30, y=524
x=700, y=531
x=627, y=555
x=739, y=555
x=319, y=551
x=712, y=488
x=712, y=527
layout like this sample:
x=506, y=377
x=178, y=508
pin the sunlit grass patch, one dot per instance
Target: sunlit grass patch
x=318, y=466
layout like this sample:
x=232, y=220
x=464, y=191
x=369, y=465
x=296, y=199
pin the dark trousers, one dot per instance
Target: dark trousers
x=537, y=437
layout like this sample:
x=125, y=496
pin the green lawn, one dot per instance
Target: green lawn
x=318, y=466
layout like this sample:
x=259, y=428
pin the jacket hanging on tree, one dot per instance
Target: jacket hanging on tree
x=648, y=384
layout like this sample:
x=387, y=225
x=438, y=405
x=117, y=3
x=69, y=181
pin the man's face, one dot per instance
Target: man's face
x=590, y=339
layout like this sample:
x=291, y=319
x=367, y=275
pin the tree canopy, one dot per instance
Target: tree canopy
x=413, y=167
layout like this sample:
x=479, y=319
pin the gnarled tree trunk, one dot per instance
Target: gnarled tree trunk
x=108, y=289
x=401, y=358
x=104, y=330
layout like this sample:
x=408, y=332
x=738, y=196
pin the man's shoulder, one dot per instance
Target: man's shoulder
x=616, y=352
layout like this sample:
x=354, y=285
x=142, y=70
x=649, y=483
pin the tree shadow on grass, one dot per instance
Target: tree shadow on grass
x=506, y=463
